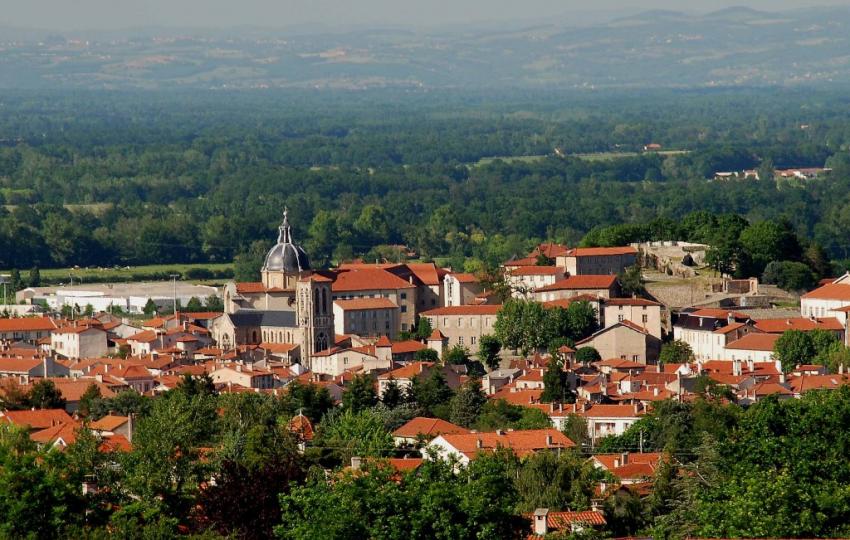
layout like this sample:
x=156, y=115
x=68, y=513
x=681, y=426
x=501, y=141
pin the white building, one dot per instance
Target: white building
x=77, y=342
x=825, y=301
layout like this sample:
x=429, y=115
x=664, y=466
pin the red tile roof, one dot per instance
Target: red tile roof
x=550, y=249
x=629, y=302
x=428, y=273
x=250, y=287
x=588, y=281
x=465, y=278
x=521, y=442
x=832, y=291
x=778, y=326
x=66, y=431
x=36, y=419
x=427, y=426
x=407, y=372
x=360, y=304
x=369, y=279
x=27, y=324
x=536, y=271
x=486, y=309
x=564, y=520
x=601, y=251
x=409, y=346
x=109, y=422
x=755, y=342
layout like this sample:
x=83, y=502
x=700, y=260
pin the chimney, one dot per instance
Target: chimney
x=541, y=526
x=356, y=461
x=751, y=365
x=782, y=377
x=616, y=463
x=624, y=458
x=500, y=432
x=655, y=391
x=130, y=427
x=730, y=318
x=549, y=441
x=736, y=367
x=479, y=443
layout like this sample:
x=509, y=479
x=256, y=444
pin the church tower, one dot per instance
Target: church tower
x=286, y=262
x=315, y=316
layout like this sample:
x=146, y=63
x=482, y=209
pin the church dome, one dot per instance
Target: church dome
x=285, y=256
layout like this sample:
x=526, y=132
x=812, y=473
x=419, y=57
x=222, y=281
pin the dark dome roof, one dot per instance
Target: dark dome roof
x=285, y=256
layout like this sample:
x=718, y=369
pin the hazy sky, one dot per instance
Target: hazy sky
x=114, y=14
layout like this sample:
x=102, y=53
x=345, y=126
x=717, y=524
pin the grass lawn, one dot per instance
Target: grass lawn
x=603, y=156
x=509, y=159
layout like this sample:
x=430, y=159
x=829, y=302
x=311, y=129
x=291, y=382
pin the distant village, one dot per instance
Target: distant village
x=327, y=326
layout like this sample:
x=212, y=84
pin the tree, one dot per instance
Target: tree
x=675, y=352
x=360, y=394
x=488, y=351
x=423, y=328
x=348, y=433
x=556, y=480
x=768, y=241
x=247, y=264
x=34, y=277
x=789, y=275
x=194, y=305
x=457, y=355
x=499, y=414
x=794, y=347
x=44, y=395
x=818, y=260
x=214, y=303
x=521, y=324
x=467, y=403
x=12, y=396
x=150, y=307
x=586, y=355
x=311, y=400
x=15, y=283
x=392, y=396
x=582, y=319
x=554, y=383
x=632, y=282
x=575, y=428
x=89, y=397
x=432, y=393
x=426, y=355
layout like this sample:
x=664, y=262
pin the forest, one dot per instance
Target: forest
x=121, y=178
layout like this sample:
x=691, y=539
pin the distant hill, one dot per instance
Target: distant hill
x=732, y=47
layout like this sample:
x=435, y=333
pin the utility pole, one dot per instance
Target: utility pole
x=174, y=280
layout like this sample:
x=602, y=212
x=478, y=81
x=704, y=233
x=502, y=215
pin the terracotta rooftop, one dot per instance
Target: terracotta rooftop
x=521, y=442
x=485, y=309
x=37, y=418
x=27, y=324
x=777, y=326
x=601, y=251
x=832, y=291
x=359, y=304
x=588, y=281
x=368, y=279
x=428, y=426
x=755, y=342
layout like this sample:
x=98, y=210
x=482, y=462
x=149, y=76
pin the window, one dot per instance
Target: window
x=445, y=322
x=620, y=318
x=404, y=327
x=404, y=309
x=645, y=319
x=386, y=325
x=635, y=358
x=472, y=340
x=460, y=340
x=404, y=296
x=460, y=322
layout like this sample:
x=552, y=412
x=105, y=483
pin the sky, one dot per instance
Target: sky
x=118, y=14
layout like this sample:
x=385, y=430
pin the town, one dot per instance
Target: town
x=565, y=350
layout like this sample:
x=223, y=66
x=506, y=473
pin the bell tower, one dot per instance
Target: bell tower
x=315, y=316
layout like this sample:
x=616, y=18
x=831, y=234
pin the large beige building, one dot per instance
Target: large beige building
x=367, y=317
x=644, y=313
x=598, y=260
x=604, y=286
x=626, y=341
x=464, y=325
x=828, y=300
x=460, y=289
x=77, y=342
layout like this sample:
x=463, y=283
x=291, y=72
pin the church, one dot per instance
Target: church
x=291, y=305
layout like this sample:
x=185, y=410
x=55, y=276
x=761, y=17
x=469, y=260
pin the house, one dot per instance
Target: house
x=114, y=425
x=403, y=376
x=367, y=317
x=26, y=329
x=605, y=286
x=626, y=341
x=463, y=325
x=545, y=522
x=460, y=289
x=369, y=282
x=423, y=428
x=604, y=419
x=24, y=369
x=827, y=300
x=757, y=347
x=525, y=279
x=644, y=313
x=465, y=446
x=629, y=467
x=36, y=419
x=493, y=381
x=708, y=330
x=597, y=260
x=77, y=341
x=779, y=326
x=337, y=360
x=245, y=376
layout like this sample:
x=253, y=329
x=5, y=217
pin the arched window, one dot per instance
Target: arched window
x=321, y=342
x=254, y=336
x=325, y=301
x=316, y=302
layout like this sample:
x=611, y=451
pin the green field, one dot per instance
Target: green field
x=509, y=159
x=128, y=273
